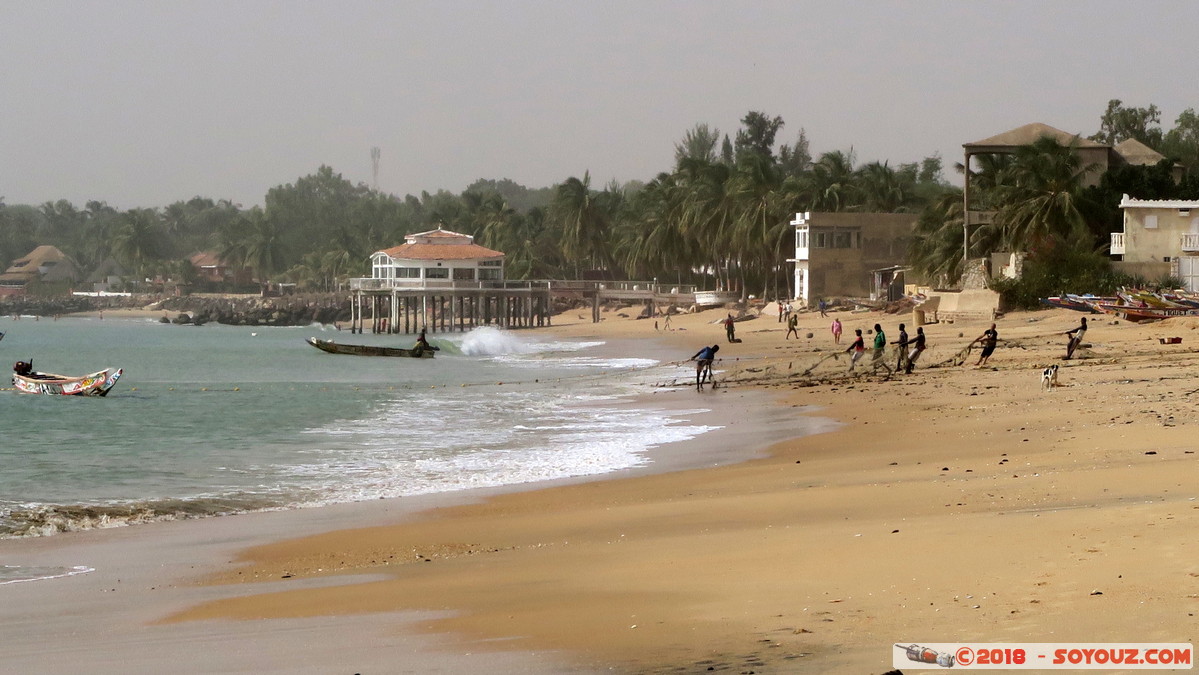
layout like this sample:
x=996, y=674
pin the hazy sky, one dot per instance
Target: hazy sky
x=146, y=103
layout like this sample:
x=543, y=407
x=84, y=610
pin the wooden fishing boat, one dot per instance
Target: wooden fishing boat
x=1078, y=303
x=27, y=381
x=1137, y=314
x=367, y=350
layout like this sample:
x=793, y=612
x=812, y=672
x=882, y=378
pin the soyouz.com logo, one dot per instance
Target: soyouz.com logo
x=1044, y=656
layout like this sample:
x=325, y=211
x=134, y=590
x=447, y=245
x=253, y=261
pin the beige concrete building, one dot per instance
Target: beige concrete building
x=1160, y=238
x=1097, y=157
x=849, y=255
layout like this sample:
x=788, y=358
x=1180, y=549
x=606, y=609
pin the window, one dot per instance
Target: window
x=491, y=263
x=437, y=273
x=407, y=272
x=490, y=275
x=464, y=274
x=1150, y=222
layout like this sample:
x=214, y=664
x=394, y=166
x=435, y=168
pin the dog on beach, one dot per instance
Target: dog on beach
x=1049, y=378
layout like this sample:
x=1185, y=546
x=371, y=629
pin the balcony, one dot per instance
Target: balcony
x=1189, y=241
x=1117, y=243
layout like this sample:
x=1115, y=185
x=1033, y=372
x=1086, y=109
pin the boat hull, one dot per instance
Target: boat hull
x=1138, y=314
x=367, y=350
x=96, y=384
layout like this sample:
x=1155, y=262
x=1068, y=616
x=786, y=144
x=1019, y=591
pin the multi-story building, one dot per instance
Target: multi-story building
x=849, y=255
x=1160, y=238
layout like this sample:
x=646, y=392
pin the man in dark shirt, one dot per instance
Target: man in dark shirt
x=703, y=366
x=988, y=340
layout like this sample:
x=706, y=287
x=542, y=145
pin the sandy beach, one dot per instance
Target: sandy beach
x=952, y=504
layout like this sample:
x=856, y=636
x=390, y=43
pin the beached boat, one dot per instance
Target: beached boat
x=367, y=350
x=1137, y=314
x=28, y=381
x=1078, y=303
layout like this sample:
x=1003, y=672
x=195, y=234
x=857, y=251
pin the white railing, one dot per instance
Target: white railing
x=646, y=287
x=1190, y=241
x=1117, y=243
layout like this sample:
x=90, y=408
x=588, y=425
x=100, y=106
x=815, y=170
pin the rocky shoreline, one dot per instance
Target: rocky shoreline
x=235, y=310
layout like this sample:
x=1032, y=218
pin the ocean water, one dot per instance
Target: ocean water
x=213, y=420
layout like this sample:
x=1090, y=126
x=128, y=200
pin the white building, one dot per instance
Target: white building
x=1160, y=238
x=436, y=258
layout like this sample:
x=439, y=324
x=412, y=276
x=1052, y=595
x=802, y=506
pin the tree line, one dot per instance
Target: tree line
x=719, y=217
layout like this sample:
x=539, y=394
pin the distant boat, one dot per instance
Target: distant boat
x=28, y=381
x=367, y=350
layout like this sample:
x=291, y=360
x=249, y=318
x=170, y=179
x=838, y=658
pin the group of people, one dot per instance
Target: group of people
x=908, y=349
x=785, y=311
x=990, y=338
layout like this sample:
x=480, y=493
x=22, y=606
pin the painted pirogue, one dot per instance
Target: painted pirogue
x=27, y=381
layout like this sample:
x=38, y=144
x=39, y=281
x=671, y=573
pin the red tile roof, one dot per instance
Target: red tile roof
x=441, y=252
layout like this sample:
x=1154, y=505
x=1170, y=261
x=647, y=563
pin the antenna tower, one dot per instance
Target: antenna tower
x=375, y=153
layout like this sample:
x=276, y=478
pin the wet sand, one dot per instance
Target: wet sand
x=953, y=504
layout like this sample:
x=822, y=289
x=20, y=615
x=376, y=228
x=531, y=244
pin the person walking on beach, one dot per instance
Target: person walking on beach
x=917, y=350
x=703, y=366
x=836, y=329
x=880, y=348
x=858, y=348
x=788, y=309
x=792, y=326
x=780, y=311
x=1076, y=338
x=823, y=306
x=988, y=339
x=902, y=348
x=730, y=330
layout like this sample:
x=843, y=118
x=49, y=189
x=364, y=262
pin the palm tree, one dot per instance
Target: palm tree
x=936, y=246
x=585, y=221
x=831, y=184
x=137, y=239
x=753, y=189
x=263, y=245
x=1039, y=195
x=881, y=189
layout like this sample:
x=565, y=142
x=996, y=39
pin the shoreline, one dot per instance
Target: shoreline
x=190, y=549
x=953, y=504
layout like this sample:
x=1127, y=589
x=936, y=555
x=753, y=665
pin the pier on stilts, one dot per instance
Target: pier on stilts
x=402, y=306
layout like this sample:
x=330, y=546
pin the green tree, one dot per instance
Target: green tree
x=137, y=240
x=795, y=160
x=831, y=185
x=586, y=218
x=1182, y=142
x=1119, y=123
x=698, y=143
x=756, y=137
